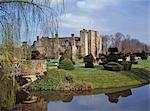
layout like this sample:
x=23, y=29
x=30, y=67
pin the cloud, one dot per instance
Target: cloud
x=94, y=5
x=76, y=22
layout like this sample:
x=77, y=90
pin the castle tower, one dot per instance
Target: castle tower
x=84, y=42
x=92, y=42
x=98, y=44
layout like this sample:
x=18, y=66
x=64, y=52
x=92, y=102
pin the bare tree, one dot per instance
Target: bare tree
x=125, y=44
x=106, y=41
x=118, y=38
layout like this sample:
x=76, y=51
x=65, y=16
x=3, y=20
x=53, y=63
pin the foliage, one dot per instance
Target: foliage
x=124, y=43
x=53, y=62
x=113, y=49
x=58, y=80
x=112, y=57
x=43, y=13
x=89, y=59
x=66, y=64
x=8, y=92
x=126, y=65
x=113, y=66
x=144, y=55
x=49, y=81
x=16, y=21
x=74, y=86
x=35, y=55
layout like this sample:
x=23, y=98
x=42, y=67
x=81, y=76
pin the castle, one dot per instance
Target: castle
x=89, y=42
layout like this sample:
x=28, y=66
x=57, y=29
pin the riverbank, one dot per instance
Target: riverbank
x=92, y=78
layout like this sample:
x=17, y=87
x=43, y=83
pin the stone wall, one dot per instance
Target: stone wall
x=52, y=47
x=73, y=48
x=88, y=42
x=38, y=67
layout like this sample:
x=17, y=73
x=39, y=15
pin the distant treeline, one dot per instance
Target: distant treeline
x=124, y=43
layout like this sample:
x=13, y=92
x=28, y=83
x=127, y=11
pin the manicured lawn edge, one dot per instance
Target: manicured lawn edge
x=92, y=78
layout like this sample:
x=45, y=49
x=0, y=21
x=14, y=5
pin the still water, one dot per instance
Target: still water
x=124, y=99
x=137, y=99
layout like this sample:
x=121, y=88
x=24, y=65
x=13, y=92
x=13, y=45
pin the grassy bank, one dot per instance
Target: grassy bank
x=92, y=78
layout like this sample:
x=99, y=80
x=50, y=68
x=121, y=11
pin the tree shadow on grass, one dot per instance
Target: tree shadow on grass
x=139, y=74
x=97, y=67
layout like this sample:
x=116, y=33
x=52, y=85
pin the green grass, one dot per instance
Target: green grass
x=144, y=64
x=97, y=77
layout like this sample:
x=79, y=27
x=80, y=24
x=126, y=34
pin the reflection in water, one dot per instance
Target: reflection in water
x=114, y=97
x=67, y=98
x=40, y=105
x=87, y=101
x=27, y=102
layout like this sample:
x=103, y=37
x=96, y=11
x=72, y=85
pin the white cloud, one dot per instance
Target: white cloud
x=94, y=5
x=76, y=22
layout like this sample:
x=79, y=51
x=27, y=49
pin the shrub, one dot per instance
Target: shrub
x=89, y=59
x=35, y=55
x=126, y=65
x=69, y=78
x=113, y=66
x=75, y=86
x=112, y=57
x=143, y=55
x=66, y=64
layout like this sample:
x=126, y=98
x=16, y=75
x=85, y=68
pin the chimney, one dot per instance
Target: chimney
x=73, y=39
x=38, y=38
x=72, y=35
x=56, y=35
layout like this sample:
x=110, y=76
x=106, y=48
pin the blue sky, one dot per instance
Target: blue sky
x=107, y=17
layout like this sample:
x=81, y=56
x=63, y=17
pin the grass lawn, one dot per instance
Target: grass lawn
x=97, y=77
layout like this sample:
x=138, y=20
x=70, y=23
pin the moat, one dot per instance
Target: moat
x=121, y=99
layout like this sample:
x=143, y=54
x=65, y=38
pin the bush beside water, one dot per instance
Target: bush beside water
x=59, y=79
x=8, y=90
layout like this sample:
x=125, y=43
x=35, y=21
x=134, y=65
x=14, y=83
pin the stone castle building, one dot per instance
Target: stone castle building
x=76, y=47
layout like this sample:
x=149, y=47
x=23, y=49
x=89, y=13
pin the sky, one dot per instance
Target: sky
x=107, y=17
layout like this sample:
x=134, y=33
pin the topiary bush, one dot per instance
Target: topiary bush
x=113, y=66
x=144, y=56
x=126, y=65
x=89, y=59
x=112, y=58
x=66, y=64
